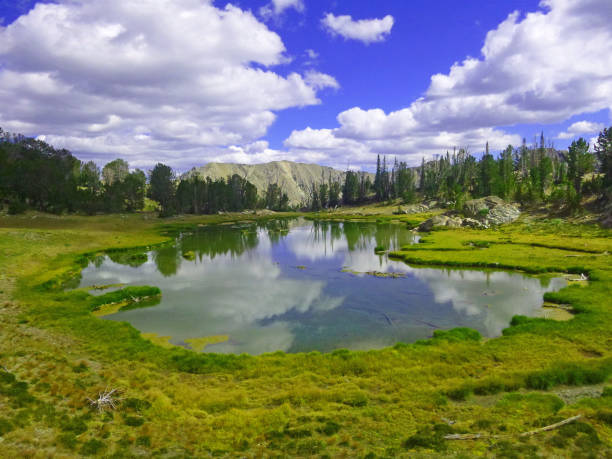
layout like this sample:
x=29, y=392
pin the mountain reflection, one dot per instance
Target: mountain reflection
x=280, y=285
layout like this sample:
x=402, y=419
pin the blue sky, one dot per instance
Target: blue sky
x=191, y=81
x=424, y=40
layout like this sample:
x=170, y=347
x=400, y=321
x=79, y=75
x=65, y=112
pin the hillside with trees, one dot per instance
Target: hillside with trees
x=296, y=179
x=534, y=175
x=35, y=175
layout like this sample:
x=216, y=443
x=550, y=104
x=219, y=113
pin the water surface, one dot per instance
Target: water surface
x=296, y=286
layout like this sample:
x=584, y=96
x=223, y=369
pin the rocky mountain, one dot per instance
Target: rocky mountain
x=295, y=179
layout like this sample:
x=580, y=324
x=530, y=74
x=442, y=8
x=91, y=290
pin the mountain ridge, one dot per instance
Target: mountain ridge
x=295, y=179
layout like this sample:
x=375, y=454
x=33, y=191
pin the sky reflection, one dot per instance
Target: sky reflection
x=281, y=286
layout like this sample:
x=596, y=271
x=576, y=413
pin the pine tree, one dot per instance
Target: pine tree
x=488, y=173
x=315, y=201
x=545, y=167
x=324, y=195
x=386, y=188
x=603, y=150
x=162, y=188
x=524, y=159
x=506, y=174
x=351, y=188
x=579, y=162
x=378, y=184
x=334, y=192
x=422, y=175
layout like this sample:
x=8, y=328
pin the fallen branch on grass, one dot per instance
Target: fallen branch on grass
x=468, y=436
x=551, y=427
x=471, y=436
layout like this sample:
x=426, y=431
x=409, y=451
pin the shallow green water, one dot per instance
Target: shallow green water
x=295, y=286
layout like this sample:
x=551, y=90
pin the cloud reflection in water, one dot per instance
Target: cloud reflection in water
x=243, y=282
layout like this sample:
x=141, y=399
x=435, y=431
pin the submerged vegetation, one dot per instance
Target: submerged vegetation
x=126, y=295
x=55, y=354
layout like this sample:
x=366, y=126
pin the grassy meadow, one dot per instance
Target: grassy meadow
x=55, y=354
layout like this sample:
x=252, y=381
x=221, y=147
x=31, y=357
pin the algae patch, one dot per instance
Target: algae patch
x=555, y=311
x=126, y=298
x=109, y=309
x=163, y=341
x=199, y=344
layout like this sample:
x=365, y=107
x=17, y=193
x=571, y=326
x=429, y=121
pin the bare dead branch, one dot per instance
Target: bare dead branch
x=551, y=427
x=107, y=400
x=466, y=436
x=477, y=436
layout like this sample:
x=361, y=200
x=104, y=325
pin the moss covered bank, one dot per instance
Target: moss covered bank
x=400, y=401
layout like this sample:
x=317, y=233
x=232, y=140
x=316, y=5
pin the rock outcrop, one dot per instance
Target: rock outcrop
x=491, y=211
x=477, y=207
x=477, y=213
x=440, y=221
x=416, y=208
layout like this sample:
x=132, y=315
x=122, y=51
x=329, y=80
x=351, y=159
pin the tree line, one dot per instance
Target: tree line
x=530, y=175
x=358, y=188
x=196, y=195
x=35, y=175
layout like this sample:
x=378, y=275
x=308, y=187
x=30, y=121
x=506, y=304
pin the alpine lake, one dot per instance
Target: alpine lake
x=297, y=286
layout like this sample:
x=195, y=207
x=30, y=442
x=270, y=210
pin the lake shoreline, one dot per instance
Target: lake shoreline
x=416, y=385
x=273, y=285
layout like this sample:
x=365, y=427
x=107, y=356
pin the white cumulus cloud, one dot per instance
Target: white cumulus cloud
x=171, y=80
x=580, y=127
x=278, y=7
x=365, y=30
x=543, y=67
x=312, y=54
x=318, y=80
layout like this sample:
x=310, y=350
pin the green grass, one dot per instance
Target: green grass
x=385, y=403
x=125, y=295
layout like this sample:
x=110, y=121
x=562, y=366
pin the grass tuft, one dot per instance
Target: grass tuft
x=125, y=295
